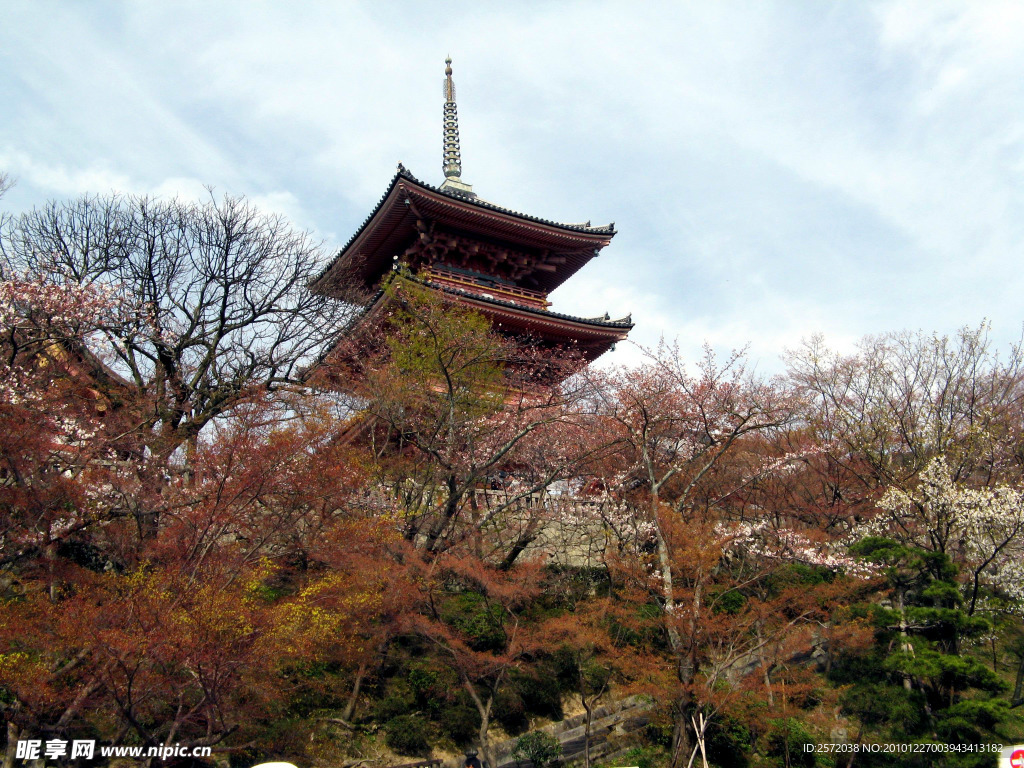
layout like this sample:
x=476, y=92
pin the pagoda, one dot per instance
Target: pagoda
x=493, y=260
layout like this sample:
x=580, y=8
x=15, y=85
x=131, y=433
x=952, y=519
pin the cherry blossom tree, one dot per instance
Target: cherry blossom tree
x=978, y=528
x=218, y=298
x=676, y=433
x=63, y=442
x=884, y=412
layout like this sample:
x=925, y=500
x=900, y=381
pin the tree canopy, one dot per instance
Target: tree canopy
x=211, y=301
x=198, y=547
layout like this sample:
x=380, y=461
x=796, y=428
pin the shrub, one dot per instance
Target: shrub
x=786, y=740
x=407, y=735
x=399, y=700
x=642, y=757
x=728, y=742
x=510, y=711
x=460, y=721
x=481, y=622
x=423, y=678
x=539, y=748
x=541, y=693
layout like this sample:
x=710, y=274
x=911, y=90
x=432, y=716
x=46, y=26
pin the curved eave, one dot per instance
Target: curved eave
x=391, y=227
x=590, y=336
x=593, y=337
x=550, y=319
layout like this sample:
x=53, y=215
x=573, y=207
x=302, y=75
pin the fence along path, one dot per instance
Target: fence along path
x=614, y=729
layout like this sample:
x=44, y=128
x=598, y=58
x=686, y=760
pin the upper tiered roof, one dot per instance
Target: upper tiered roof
x=413, y=210
x=501, y=262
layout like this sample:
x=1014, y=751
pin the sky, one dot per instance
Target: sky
x=774, y=170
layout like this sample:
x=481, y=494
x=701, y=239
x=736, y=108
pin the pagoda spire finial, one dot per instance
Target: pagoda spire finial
x=452, y=165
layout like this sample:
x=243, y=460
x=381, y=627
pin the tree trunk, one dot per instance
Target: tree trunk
x=12, y=744
x=485, y=740
x=484, y=710
x=450, y=511
x=350, y=707
x=1018, y=686
x=682, y=739
x=905, y=645
x=586, y=733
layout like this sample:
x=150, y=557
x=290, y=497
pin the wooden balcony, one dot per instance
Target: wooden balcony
x=487, y=289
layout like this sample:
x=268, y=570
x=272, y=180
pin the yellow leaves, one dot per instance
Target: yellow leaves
x=10, y=663
x=327, y=615
x=26, y=675
x=253, y=584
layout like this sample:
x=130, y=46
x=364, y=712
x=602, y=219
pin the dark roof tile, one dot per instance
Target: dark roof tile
x=403, y=173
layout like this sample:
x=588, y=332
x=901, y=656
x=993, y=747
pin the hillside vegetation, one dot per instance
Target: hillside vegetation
x=417, y=541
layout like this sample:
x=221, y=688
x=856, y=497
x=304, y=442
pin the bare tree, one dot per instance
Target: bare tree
x=6, y=182
x=904, y=398
x=216, y=298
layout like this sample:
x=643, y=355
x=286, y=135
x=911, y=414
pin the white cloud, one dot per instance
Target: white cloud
x=60, y=180
x=773, y=169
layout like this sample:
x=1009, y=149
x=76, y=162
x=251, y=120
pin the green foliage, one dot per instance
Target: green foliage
x=481, y=621
x=563, y=663
x=422, y=677
x=433, y=340
x=528, y=694
x=407, y=735
x=731, y=602
x=659, y=733
x=541, y=692
x=943, y=672
x=887, y=708
x=967, y=721
x=399, y=699
x=596, y=678
x=510, y=711
x=728, y=742
x=785, y=743
x=460, y=721
x=538, y=747
x=641, y=757
x=915, y=684
x=570, y=664
x=797, y=575
x=434, y=685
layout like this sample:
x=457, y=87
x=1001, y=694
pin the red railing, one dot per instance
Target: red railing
x=512, y=293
